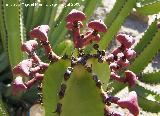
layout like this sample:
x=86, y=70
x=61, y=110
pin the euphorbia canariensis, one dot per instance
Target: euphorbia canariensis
x=118, y=59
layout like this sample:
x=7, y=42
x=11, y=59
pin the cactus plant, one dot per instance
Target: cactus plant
x=77, y=76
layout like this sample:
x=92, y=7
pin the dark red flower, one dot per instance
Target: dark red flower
x=131, y=78
x=129, y=53
x=75, y=16
x=97, y=25
x=131, y=103
x=29, y=46
x=126, y=40
x=23, y=68
x=116, y=77
x=18, y=85
x=40, y=33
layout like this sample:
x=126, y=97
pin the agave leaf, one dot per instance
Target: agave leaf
x=82, y=97
x=108, y=36
x=90, y=7
x=146, y=2
x=51, y=84
x=147, y=55
x=13, y=31
x=53, y=13
x=150, y=78
x=148, y=105
x=147, y=37
x=117, y=86
x=150, y=9
x=29, y=16
x=38, y=14
x=3, y=62
x=3, y=29
x=48, y=11
x=118, y=6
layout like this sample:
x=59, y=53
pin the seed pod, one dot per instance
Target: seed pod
x=123, y=63
x=110, y=58
x=114, y=66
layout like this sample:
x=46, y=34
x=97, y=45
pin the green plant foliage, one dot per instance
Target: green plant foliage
x=112, y=31
x=81, y=95
x=52, y=84
x=150, y=78
x=147, y=37
x=12, y=31
x=143, y=59
x=149, y=9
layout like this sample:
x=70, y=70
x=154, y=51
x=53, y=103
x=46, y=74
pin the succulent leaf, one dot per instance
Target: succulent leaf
x=127, y=8
x=51, y=85
x=150, y=9
x=82, y=95
x=150, y=78
x=147, y=37
x=143, y=59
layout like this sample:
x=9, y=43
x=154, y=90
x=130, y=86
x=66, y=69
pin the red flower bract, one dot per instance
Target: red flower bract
x=75, y=16
x=40, y=33
x=23, y=67
x=97, y=25
x=131, y=78
x=126, y=40
x=130, y=103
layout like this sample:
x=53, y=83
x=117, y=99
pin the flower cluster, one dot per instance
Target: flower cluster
x=119, y=59
x=74, y=23
x=33, y=67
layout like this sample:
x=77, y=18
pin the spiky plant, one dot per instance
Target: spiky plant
x=80, y=73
